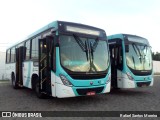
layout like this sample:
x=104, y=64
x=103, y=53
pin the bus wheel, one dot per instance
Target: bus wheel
x=14, y=82
x=34, y=78
x=37, y=89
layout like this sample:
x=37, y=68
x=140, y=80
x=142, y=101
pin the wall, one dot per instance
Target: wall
x=2, y=65
x=156, y=66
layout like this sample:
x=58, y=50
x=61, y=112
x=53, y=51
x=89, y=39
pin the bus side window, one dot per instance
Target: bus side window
x=13, y=54
x=8, y=56
x=27, y=45
x=34, y=52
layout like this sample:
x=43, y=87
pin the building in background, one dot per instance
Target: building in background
x=156, y=66
x=2, y=66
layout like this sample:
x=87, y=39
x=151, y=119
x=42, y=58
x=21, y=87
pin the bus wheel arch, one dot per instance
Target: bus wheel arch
x=35, y=86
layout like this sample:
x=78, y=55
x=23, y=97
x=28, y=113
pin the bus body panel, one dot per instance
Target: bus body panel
x=53, y=84
x=107, y=87
x=61, y=91
x=152, y=82
x=28, y=70
x=123, y=80
x=58, y=89
x=27, y=73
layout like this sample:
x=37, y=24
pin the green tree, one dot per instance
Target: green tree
x=156, y=56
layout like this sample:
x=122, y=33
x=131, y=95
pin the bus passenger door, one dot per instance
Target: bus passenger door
x=113, y=57
x=116, y=63
x=45, y=65
x=20, y=53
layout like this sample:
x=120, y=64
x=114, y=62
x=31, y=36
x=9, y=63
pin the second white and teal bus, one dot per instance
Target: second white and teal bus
x=131, y=61
x=62, y=59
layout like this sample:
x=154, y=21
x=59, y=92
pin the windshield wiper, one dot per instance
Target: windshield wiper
x=92, y=50
x=135, y=46
x=94, y=46
x=80, y=43
x=83, y=46
x=87, y=49
x=92, y=66
x=134, y=62
x=145, y=54
x=145, y=46
x=138, y=50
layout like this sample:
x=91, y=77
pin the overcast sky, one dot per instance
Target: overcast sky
x=19, y=18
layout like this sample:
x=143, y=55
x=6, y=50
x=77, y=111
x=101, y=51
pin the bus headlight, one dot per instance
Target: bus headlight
x=109, y=79
x=129, y=76
x=65, y=81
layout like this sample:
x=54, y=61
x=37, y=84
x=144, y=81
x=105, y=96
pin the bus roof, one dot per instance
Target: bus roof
x=128, y=37
x=53, y=24
x=121, y=35
x=115, y=36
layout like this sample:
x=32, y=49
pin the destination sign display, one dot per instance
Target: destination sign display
x=82, y=30
x=138, y=39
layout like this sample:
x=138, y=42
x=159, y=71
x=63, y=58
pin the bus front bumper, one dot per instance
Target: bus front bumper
x=63, y=91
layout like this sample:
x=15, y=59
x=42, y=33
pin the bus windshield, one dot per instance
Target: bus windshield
x=139, y=57
x=82, y=54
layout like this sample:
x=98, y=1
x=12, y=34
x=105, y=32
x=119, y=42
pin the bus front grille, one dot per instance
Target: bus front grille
x=86, y=90
x=141, y=84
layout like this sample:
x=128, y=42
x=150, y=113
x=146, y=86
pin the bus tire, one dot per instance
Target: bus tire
x=37, y=90
x=34, y=78
x=115, y=87
x=14, y=82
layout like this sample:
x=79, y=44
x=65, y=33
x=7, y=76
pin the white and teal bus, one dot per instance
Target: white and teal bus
x=62, y=59
x=131, y=61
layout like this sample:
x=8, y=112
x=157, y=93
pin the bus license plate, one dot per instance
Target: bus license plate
x=91, y=93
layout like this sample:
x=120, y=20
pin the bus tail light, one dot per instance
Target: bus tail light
x=129, y=76
x=65, y=81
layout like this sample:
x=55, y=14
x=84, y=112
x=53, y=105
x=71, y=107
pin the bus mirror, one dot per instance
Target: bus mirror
x=126, y=48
